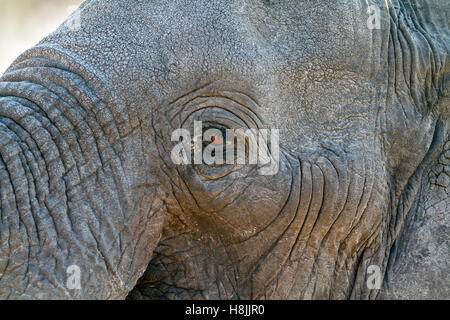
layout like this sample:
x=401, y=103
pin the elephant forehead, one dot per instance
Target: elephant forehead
x=284, y=51
x=240, y=36
x=296, y=58
x=218, y=36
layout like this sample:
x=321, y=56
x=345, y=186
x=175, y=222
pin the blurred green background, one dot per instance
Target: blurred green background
x=24, y=22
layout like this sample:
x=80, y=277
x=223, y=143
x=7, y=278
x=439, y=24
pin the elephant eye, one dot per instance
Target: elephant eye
x=217, y=139
x=219, y=136
x=214, y=138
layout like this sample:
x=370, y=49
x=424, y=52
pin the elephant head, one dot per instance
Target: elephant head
x=357, y=90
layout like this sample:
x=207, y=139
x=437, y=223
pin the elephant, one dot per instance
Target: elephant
x=92, y=205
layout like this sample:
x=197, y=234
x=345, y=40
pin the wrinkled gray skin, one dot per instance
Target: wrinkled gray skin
x=86, y=177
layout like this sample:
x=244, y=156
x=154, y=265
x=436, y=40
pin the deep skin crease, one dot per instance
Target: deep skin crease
x=86, y=177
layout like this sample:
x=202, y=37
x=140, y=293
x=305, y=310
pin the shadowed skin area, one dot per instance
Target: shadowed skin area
x=86, y=176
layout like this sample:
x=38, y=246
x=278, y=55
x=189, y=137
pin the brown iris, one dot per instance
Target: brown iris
x=216, y=139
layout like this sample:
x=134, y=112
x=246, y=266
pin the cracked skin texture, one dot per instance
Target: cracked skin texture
x=86, y=177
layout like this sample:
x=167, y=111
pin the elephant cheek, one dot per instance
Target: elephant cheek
x=333, y=214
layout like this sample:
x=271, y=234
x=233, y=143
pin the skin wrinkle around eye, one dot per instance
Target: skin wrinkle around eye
x=240, y=101
x=212, y=104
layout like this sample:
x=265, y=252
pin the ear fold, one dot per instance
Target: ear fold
x=420, y=42
x=438, y=25
x=419, y=259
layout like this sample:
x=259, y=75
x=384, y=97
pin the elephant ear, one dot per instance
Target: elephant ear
x=420, y=257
